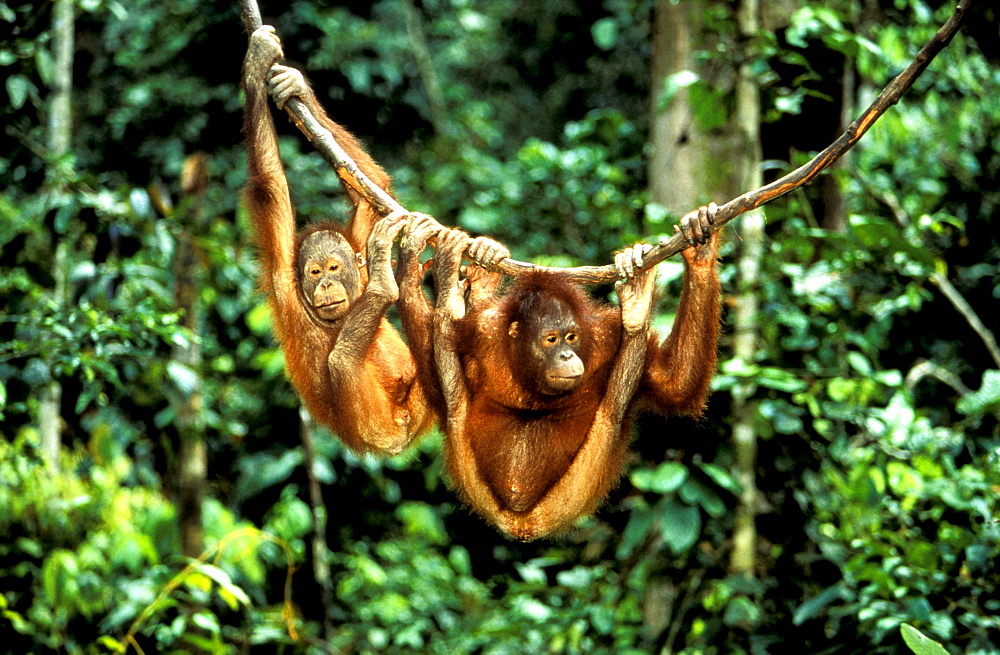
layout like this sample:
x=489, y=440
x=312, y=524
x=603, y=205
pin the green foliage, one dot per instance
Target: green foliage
x=878, y=480
x=907, y=523
x=683, y=496
x=90, y=556
x=557, y=204
x=572, y=196
x=415, y=593
x=902, y=501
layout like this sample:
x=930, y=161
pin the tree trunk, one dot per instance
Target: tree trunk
x=688, y=165
x=425, y=66
x=834, y=207
x=673, y=158
x=745, y=323
x=59, y=134
x=192, y=468
x=320, y=550
x=60, y=123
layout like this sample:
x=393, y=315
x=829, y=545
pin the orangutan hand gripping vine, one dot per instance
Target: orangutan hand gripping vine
x=349, y=366
x=416, y=312
x=539, y=384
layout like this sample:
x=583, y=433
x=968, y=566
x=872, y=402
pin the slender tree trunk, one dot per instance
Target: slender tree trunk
x=320, y=550
x=425, y=65
x=673, y=160
x=59, y=128
x=193, y=455
x=60, y=121
x=834, y=207
x=689, y=166
x=745, y=324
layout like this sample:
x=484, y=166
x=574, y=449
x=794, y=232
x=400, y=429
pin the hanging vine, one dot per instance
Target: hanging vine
x=384, y=204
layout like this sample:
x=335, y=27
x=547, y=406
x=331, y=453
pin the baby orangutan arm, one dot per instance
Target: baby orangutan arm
x=286, y=83
x=449, y=309
x=369, y=309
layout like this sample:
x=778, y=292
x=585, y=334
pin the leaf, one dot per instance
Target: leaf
x=533, y=609
x=672, y=85
x=721, y=477
x=780, y=379
x=263, y=470
x=87, y=395
x=694, y=491
x=603, y=619
x=665, y=478
x=183, y=377
x=681, y=526
x=222, y=579
x=708, y=106
x=815, y=605
x=859, y=362
x=421, y=519
x=920, y=644
x=259, y=319
x=112, y=644
x=605, y=33
x=986, y=399
x=44, y=65
x=460, y=560
x=18, y=88
x=579, y=577
x=741, y=611
x=207, y=622
x=640, y=522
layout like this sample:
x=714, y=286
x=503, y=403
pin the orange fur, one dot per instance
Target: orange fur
x=533, y=464
x=372, y=402
x=678, y=373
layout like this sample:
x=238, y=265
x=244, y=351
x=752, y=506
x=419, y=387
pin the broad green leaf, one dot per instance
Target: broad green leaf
x=665, y=478
x=18, y=88
x=720, y=476
x=680, y=526
x=920, y=644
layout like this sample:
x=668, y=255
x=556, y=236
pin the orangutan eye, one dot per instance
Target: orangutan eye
x=334, y=268
x=571, y=337
x=314, y=270
x=551, y=338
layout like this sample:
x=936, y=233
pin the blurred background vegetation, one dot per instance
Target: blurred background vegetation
x=844, y=481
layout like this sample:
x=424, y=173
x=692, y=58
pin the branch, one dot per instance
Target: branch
x=348, y=171
x=942, y=282
x=425, y=67
x=926, y=368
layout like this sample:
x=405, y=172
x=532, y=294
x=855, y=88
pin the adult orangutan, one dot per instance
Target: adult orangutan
x=539, y=385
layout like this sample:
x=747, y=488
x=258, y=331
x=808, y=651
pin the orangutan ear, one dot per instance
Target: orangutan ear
x=512, y=331
x=361, y=260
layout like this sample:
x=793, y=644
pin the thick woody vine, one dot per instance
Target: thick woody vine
x=384, y=204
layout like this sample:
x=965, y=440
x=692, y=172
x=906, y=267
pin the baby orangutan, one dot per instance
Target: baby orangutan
x=350, y=367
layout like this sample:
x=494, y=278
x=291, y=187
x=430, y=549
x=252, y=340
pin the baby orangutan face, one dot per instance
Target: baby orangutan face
x=329, y=279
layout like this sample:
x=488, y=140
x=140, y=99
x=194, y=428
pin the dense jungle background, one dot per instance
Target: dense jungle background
x=843, y=483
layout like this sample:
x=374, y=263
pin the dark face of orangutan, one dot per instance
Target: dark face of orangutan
x=549, y=342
